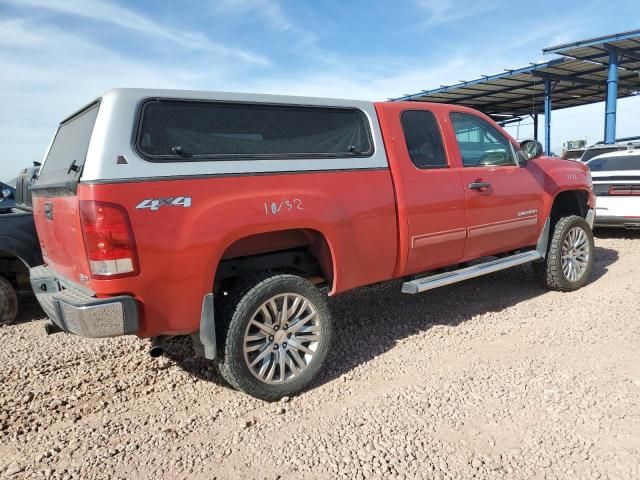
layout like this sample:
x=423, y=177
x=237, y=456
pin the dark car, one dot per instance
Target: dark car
x=7, y=197
x=19, y=245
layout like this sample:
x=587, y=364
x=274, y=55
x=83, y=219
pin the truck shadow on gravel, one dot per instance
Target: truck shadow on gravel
x=617, y=233
x=370, y=321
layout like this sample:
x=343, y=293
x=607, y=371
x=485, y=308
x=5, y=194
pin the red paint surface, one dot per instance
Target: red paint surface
x=179, y=248
x=378, y=224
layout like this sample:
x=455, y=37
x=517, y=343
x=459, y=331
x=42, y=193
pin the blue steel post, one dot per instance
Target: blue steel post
x=612, y=98
x=547, y=116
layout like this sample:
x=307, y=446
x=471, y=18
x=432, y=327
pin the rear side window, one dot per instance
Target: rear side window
x=69, y=148
x=423, y=138
x=182, y=130
x=609, y=164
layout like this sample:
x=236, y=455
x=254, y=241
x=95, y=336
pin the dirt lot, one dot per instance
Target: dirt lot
x=493, y=378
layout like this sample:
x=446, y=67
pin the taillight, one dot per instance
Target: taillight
x=108, y=239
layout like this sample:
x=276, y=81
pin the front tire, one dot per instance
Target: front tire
x=569, y=260
x=8, y=301
x=275, y=336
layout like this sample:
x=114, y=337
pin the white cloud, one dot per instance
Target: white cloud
x=271, y=13
x=14, y=34
x=57, y=72
x=47, y=73
x=269, y=10
x=447, y=11
x=54, y=74
x=350, y=83
x=101, y=11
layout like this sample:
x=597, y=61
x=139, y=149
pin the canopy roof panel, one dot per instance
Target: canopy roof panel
x=597, y=49
x=577, y=78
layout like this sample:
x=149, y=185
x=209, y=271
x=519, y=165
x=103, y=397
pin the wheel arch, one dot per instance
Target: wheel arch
x=14, y=268
x=20, y=239
x=303, y=251
x=569, y=202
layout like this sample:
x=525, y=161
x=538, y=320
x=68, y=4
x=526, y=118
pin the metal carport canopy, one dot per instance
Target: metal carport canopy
x=580, y=77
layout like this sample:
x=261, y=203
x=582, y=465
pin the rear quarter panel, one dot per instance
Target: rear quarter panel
x=179, y=248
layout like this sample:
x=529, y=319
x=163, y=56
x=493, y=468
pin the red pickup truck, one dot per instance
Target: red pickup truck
x=223, y=216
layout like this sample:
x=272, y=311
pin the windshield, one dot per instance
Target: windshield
x=69, y=148
x=619, y=162
x=594, y=152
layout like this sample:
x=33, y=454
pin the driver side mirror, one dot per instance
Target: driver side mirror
x=531, y=149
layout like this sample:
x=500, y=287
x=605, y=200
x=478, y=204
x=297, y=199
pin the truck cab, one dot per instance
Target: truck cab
x=229, y=217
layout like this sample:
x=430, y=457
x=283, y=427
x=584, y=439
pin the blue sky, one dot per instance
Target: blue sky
x=56, y=55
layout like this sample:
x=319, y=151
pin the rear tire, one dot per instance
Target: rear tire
x=274, y=336
x=569, y=260
x=8, y=301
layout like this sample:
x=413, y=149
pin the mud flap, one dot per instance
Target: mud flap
x=204, y=341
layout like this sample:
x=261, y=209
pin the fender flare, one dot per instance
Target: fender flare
x=238, y=235
x=22, y=252
x=566, y=189
x=20, y=238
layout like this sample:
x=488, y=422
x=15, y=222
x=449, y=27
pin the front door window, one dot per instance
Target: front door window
x=480, y=143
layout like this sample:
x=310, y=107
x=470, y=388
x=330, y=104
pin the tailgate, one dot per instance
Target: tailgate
x=55, y=201
x=58, y=224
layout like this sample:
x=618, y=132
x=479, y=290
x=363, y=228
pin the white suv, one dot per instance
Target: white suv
x=616, y=183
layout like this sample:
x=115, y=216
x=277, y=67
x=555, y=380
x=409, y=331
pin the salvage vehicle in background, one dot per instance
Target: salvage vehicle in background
x=23, y=183
x=616, y=183
x=19, y=247
x=7, y=198
x=573, y=149
x=221, y=216
x=601, y=148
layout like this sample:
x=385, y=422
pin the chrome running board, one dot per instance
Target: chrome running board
x=434, y=281
x=430, y=282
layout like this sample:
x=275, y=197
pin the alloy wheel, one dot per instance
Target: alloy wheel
x=575, y=254
x=282, y=338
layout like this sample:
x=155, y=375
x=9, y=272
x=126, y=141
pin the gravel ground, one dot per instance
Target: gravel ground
x=493, y=378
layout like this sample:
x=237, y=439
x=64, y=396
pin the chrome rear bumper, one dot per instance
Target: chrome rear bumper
x=76, y=309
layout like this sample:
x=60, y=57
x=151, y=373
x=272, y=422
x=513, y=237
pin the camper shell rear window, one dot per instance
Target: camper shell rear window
x=69, y=148
x=179, y=130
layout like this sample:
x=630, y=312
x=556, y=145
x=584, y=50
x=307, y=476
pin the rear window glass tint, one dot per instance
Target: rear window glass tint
x=70, y=145
x=423, y=139
x=608, y=164
x=176, y=130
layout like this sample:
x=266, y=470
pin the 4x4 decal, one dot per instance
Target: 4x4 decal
x=156, y=203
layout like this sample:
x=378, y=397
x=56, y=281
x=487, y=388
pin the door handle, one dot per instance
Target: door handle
x=479, y=185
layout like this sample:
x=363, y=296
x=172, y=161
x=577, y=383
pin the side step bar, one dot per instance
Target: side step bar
x=434, y=281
